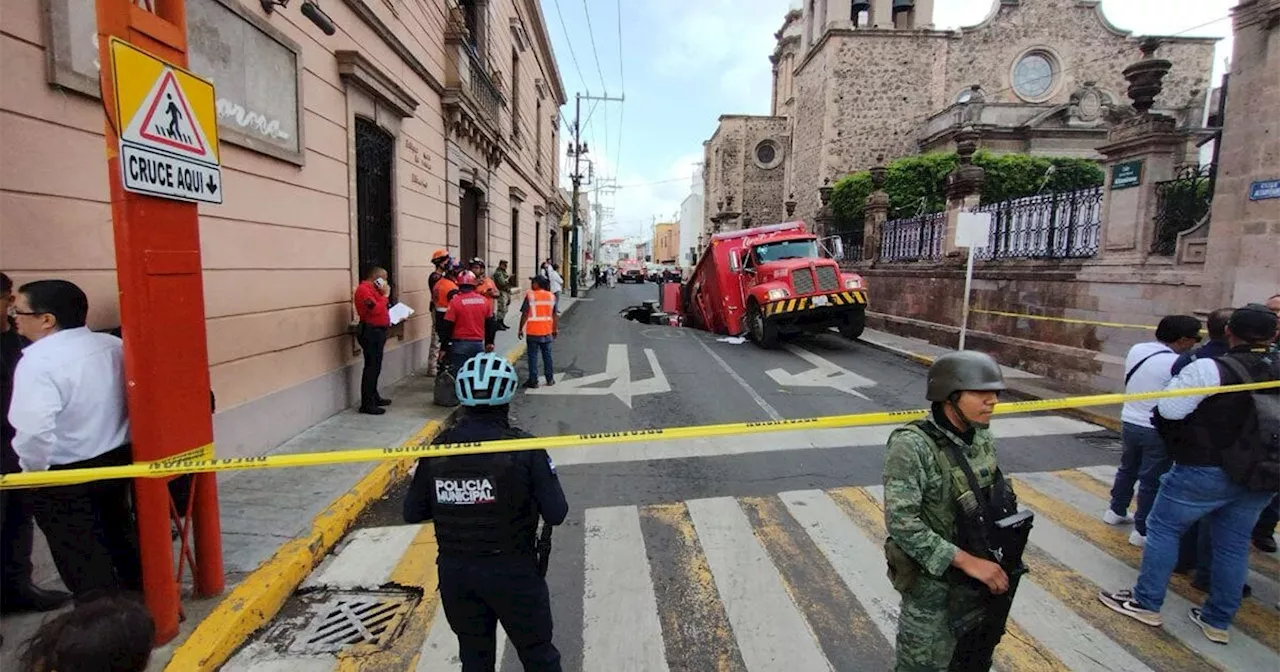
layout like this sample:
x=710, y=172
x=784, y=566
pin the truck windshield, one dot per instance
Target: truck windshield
x=787, y=249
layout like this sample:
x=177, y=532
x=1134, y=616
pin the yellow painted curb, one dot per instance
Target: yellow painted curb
x=256, y=600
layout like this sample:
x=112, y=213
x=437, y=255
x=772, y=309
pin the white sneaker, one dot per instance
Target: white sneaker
x=1139, y=540
x=1111, y=518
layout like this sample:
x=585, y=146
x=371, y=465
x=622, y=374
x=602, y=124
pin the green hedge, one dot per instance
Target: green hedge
x=911, y=179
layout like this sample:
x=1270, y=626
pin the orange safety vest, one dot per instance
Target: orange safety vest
x=542, y=307
x=443, y=287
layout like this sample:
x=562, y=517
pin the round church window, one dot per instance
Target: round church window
x=768, y=155
x=1034, y=75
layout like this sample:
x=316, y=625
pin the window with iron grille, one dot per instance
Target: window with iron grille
x=375, y=149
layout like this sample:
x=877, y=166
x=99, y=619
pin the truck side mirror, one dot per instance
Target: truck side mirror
x=838, y=245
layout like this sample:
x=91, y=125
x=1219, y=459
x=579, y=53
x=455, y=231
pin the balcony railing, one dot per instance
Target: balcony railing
x=1181, y=203
x=482, y=89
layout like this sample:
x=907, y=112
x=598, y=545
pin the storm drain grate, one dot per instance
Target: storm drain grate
x=338, y=620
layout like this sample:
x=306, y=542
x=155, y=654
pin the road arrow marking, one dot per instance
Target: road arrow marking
x=617, y=368
x=824, y=374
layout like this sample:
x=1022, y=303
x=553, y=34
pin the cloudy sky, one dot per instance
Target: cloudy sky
x=682, y=63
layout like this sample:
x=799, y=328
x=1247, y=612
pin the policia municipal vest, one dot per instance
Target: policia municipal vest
x=506, y=525
x=987, y=524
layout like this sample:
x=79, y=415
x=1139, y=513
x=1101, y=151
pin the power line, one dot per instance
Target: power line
x=568, y=42
x=622, y=106
x=592, y=34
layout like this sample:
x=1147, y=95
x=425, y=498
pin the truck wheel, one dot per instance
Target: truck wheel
x=854, y=325
x=764, y=334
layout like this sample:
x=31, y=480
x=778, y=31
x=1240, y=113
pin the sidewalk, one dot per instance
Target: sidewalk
x=1021, y=383
x=277, y=524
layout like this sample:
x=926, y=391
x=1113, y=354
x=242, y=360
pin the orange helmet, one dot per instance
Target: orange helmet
x=466, y=278
x=439, y=255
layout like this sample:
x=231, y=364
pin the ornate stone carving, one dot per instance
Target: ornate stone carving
x=1146, y=77
x=790, y=205
x=1090, y=106
x=967, y=178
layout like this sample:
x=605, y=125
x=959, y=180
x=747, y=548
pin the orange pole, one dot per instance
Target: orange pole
x=162, y=319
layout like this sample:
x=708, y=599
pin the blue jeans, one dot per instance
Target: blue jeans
x=461, y=351
x=1142, y=463
x=534, y=345
x=1265, y=527
x=1188, y=494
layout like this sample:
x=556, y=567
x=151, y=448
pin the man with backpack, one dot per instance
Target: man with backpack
x=1226, y=454
x=1147, y=369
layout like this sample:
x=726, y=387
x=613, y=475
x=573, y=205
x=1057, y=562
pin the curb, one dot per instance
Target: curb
x=263, y=592
x=1085, y=414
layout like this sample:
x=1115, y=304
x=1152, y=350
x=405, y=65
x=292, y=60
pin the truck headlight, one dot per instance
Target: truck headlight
x=778, y=293
x=853, y=283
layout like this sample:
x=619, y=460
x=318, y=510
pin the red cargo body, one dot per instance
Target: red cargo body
x=771, y=282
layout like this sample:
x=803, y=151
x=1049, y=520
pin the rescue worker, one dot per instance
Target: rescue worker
x=440, y=263
x=539, y=319
x=443, y=290
x=486, y=509
x=468, y=325
x=926, y=496
x=486, y=286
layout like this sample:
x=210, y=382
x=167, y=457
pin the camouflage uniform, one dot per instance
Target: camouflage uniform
x=920, y=516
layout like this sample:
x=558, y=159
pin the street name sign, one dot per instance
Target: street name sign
x=1127, y=174
x=1264, y=189
x=168, y=128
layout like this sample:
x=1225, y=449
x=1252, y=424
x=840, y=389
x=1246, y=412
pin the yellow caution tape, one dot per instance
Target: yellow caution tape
x=176, y=467
x=1118, y=325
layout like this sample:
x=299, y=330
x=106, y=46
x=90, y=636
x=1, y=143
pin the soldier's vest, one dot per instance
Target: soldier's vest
x=903, y=569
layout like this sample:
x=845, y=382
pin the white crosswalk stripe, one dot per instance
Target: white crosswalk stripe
x=741, y=555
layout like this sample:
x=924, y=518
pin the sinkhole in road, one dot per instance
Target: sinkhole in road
x=330, y=621
x=645, y=313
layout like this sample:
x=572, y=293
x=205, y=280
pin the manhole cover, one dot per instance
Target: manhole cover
x=333, y=621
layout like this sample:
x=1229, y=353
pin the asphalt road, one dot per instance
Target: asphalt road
x=680, y=493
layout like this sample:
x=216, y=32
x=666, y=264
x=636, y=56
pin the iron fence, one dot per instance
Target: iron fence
x=851, y=242
x=1059, y=225
x=913, y=239
x=1181, y=203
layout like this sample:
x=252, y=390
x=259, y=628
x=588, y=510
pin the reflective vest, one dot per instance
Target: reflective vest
x=542, y=308
x=444, y=286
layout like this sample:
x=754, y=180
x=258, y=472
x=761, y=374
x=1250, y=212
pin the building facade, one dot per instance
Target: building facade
x=854, y=81
x=666, y=242
x=691, y=218
x=418, y=125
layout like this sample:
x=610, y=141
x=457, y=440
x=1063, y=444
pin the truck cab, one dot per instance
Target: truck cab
x=771, y=282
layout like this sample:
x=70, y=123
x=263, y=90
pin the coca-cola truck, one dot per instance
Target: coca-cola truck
x=771, y=282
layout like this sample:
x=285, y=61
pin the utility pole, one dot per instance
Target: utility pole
x=576, y=150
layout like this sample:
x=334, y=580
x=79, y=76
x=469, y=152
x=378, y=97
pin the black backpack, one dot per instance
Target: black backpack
x=1254, y=459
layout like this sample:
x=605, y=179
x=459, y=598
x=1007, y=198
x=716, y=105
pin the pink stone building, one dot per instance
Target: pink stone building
x=420, y=124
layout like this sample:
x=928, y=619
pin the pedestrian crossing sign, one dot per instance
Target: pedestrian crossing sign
x=167, y=126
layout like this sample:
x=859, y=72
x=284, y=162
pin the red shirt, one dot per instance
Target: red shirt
x=371, y=305
x=468, y=312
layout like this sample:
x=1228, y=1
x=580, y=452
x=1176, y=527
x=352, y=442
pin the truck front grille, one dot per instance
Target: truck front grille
x=828, y=279
x=801, y=281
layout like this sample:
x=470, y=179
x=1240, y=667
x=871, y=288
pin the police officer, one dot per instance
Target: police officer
x=468, y=325
x=486, y=510
x=926, y=495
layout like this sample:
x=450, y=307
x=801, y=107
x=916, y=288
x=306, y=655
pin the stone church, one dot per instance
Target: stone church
x=858, y=79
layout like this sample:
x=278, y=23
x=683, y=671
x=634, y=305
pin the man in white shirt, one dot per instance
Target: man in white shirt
x=1148, y=367
x=69, y=412
x=557, y=282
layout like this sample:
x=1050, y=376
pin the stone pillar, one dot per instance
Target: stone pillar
x=964, y=188
x=1244, y=232
x=881, y=14
x=922, y=15
x=1141, y=151
x=822, y=221
x=876, y=213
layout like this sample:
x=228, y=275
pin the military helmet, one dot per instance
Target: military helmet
x=963, y=370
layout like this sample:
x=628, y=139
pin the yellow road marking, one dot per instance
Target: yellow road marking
x=1265, y=563
x=701, y=600
x=834, y=613
x=1018, y=651
x=1253, y=618
x=416, y=570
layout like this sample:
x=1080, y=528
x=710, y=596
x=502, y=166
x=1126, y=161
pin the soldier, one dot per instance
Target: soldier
x=943, y=493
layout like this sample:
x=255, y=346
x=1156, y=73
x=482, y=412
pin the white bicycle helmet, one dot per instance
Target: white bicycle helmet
x=486, y=380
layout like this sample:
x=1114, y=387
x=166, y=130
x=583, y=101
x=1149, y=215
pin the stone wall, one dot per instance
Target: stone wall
x=808, y=124
x=925, y=300
x=734, y=168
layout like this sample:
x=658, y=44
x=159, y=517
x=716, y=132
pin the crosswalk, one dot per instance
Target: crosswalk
x=795, y=582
